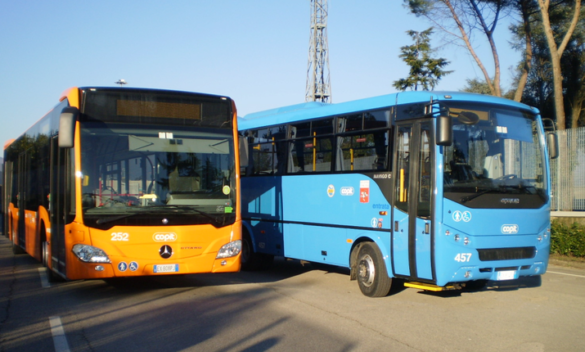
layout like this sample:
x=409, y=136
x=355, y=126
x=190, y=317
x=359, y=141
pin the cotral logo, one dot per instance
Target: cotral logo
x=347, y=191
x=510, y=228
x=164, y=237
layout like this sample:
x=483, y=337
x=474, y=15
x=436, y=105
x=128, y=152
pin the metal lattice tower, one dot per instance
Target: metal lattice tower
x=318, y=80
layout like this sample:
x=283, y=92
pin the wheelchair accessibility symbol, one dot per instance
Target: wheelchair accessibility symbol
x=461, y=216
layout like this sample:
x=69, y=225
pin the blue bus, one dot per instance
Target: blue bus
x=442, y=190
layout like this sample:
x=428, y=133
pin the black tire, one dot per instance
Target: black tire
x=372, y=275
x=46, y=258
x=45, y=253
x=252, y=261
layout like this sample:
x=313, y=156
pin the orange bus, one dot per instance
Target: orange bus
x=117, y=182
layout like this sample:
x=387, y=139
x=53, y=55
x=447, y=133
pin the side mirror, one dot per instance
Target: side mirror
x=553, y=145
x=243, y=145
x=444, y=131
x=468, y=118
x=67, y=127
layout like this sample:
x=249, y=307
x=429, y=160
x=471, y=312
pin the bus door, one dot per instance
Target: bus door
x=412, y=235
x=57, y=204
x=20, y=200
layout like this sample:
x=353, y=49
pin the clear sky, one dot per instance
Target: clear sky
x=254, y=51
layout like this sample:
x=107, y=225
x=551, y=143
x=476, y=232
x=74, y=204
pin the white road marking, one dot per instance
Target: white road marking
x=59, y=338
x=556, y=272
x=44, y=277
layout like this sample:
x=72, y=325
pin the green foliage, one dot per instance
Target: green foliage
x=418, y=7
x=479, y=86
x=425, y=71
x=539, y=90
x=567, y=240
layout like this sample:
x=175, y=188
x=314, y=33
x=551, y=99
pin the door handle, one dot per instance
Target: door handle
x=427, y=228
x=396, y=227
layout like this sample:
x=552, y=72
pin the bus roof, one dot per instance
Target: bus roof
x=315, y=110
x=8, y=143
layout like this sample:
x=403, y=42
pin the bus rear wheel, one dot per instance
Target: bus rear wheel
x=372, y=276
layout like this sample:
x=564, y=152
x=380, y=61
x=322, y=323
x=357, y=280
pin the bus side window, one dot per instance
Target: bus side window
x=268, y=151
x=311, y=155
x=363, y=152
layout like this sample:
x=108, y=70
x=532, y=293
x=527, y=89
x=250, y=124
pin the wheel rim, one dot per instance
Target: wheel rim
x=366, y=270
x=45, y=253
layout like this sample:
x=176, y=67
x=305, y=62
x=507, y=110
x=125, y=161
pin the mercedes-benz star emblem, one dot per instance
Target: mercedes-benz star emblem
x=165, y=251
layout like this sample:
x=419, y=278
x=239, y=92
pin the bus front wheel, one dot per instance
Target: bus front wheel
x=372, y=275
x=45, y=253
x=252, y=261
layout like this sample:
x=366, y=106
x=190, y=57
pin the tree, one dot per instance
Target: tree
x=573, y=68
x=539, y=88
x=477, y=86
x=481, y=87
x=425, y=71
x=466, y=17
x=525, y=8
x=556, y=51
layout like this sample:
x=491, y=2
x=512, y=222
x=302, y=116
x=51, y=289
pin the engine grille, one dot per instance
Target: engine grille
x=506, y=253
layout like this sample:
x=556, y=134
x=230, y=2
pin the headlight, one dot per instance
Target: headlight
x=90, y=254
x=230, y=250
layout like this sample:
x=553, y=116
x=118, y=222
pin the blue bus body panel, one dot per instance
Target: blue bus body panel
x=327, y=200
x=262, y=199
x=320, y=217
x=400, y=255
x=315, y=110
x=315, y=221
x=488, y=229
x=300, y=112
x=418, y=97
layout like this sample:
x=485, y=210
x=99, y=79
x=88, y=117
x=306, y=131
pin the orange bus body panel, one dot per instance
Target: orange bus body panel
x=194, y=247
x=72, y=95
x=8, y=143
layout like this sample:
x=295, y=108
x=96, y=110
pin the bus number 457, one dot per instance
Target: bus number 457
x=463, y=257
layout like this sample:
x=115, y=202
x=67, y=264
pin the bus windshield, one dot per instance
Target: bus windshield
x=496, y=159
x=132, y=172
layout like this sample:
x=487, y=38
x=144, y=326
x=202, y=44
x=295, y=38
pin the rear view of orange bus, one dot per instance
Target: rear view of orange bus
x=118, y=182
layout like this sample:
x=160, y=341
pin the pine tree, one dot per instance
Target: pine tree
x=425, y=71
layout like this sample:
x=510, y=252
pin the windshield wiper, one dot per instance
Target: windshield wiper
x=216, y=219
x=473, y=196
x=218, y=143
x=501, y=189
x=102, y=221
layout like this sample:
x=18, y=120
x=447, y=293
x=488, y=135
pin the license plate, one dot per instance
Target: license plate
x=506, y=275
x=166, y=268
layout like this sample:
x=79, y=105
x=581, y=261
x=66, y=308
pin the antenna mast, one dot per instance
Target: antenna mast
x=318, y=80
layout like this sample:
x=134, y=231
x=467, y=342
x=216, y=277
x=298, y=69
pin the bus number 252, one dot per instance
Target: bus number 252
x=463, y=257
x=120, y=236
